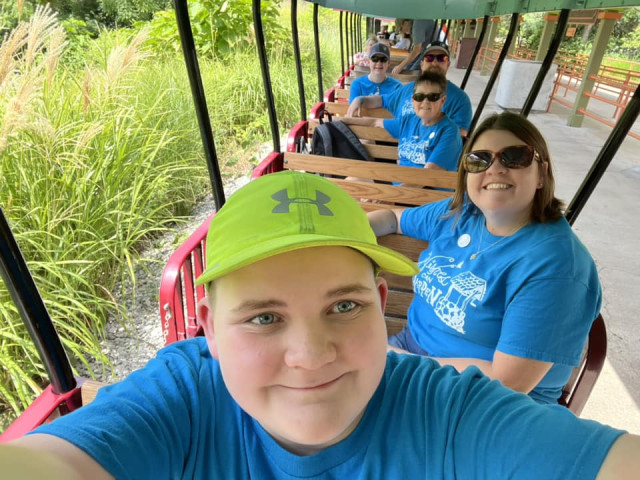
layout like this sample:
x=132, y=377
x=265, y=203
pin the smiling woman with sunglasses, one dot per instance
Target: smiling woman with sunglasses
x=505, y=285
x=377, y=82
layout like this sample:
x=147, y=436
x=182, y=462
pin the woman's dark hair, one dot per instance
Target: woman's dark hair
x=546, y=207
x=433, y=77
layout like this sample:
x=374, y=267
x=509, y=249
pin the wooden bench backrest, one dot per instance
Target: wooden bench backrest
x=400, y=288
x=340, y=109
x=366, y=191
x=363, y=133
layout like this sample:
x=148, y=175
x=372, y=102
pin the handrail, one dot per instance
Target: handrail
x=266, y=76
x=34, y=314
x=316, y=42
x=341, y=46
x=546, y=63
x=604, y=158
x=199, y=99
x=296, y=53
x=475, y=52
x=495, y=72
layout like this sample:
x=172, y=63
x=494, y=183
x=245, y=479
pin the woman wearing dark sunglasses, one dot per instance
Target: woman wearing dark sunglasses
x=377, y=82
x=505, y=284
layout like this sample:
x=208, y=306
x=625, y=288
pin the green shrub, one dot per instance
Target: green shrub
x=220, y=27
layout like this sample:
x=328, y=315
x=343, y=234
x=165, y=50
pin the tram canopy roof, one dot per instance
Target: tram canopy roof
x=454, y=9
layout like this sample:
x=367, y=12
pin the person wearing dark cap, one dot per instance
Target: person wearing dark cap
x=457, y=106
x=377, y=82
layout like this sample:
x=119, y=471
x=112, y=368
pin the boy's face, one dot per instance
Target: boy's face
x=301, y=341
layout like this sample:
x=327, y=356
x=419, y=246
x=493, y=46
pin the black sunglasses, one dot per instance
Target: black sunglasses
x=520, y=156
x=379, y=59
x=442, y=57
x=432, y=97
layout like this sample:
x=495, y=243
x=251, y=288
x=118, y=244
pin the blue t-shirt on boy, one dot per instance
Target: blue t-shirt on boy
x=364, y=86
x=176, y=419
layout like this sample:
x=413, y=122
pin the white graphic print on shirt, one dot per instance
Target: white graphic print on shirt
x=407, y=108
x=449, y=290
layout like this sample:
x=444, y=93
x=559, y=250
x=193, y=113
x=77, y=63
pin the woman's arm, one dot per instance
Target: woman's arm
x=384, y=222
x=518, y=373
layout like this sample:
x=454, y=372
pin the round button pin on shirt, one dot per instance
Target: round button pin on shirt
x=464, y=240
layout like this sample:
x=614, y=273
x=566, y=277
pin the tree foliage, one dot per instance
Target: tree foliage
x=219, y=26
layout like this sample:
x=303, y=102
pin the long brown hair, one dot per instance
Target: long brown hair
x=546, y=207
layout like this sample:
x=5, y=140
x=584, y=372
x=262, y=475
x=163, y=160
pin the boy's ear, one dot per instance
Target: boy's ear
x=205, y=318
x=383, y=291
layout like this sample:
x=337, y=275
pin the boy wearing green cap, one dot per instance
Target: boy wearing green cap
x=292, y=379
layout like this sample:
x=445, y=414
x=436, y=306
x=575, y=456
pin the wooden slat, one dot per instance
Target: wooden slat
x=397, y=282
x=366, y=133
x=340, y=108
x=375, y=171
x=398, y=303
x=400, y=53
x=382, y=151
x=89, y=390
x=394, y=325
x=398, y=194
x=408, y=246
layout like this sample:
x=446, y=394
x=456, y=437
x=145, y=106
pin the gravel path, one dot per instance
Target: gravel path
x=129, y=347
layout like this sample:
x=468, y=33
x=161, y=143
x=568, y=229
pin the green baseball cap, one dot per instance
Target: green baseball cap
x=286, y=211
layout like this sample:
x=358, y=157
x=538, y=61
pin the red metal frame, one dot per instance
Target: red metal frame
x=330, y=95
x=46, y=407
x=577, y=390
x=178, y=294
x=317, y=111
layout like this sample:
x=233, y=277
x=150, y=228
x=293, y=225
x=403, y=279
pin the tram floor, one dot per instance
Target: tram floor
x=608, y=225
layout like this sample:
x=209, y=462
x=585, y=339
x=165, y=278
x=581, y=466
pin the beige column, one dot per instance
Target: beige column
x=550, y=22
x=467, y=32
x=607, y=21
x=512, y=47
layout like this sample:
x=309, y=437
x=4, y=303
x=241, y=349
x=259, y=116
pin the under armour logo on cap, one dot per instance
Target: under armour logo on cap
x=285, y=201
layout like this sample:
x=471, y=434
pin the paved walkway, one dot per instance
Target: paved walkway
x=609, y=225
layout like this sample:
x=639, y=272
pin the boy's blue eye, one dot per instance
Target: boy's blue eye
x=344, y=306
x=264, y=319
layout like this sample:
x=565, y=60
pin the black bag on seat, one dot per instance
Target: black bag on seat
x=335, y=139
